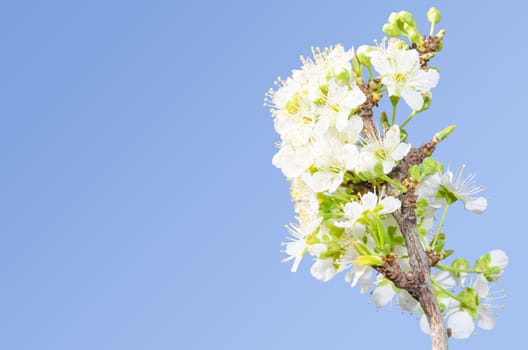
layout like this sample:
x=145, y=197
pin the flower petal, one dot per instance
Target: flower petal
x=390, y=205
x=413, y=98
x=383, y=295
x=424, y=325
x=487, y=320
x=476, y=205
x=461, y=324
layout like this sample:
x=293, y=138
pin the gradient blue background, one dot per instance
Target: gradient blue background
x=139, y=207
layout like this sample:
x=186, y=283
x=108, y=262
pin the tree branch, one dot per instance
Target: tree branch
x=419, y=262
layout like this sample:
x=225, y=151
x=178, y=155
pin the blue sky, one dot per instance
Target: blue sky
x=140, y=209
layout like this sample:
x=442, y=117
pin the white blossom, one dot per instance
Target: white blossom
x=401, y=72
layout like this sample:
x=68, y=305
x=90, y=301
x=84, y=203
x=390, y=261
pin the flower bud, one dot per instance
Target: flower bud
x=433, y=15
x=357, y=69
x=391, y=30
x=408, y=18
x=441, y=34
x=414, y=35
x=394, y=18
x=384, y=121
x=442, y=135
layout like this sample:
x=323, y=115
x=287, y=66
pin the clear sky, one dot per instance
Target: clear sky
x=139, y=207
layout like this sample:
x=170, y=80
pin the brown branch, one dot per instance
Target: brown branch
x=419, y=262
x=429, y=47
x=418, y=281
x=365, y=112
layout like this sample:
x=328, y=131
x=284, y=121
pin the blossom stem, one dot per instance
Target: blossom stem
x=393, y=120
x=440, y=225
x=439, y=286
x=431, y=32
x=409, y=118
x=442, y=218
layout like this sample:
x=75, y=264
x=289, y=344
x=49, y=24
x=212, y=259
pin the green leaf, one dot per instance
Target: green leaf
x=368, y=260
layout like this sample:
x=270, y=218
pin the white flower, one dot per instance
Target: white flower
x=406, y=302
x=453, y=187
x=498, y=259
x=293, y=161
x=323, y=269
x=361, y=275
x=401, y=73
x=389, y=150
x=297, y=247
x=462, y=323
x=333, y=59
x=306, y=203
x=369, y=201
x=383, y=295
x=340, y=101
x=332, y=159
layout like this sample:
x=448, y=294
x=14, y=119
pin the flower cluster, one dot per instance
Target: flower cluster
x=349, y=176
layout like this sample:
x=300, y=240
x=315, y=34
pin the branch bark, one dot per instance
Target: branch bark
x=419, y=262
x=418, y=281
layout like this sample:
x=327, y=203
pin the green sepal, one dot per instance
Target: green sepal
x=439, y=243
x=469, y=301
x=459, y=264
x=446, y=253
x=357, y=68
x=384, y=121
x=343, y=77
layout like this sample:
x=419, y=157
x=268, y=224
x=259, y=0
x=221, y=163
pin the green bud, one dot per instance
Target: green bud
x=403, y=135
x=394, y=18
x=415, y=173
x=443, y=134
x=361, y=54
x=428, y=98
x=441, y=34
x=368, y=260
x=433, y=15
x=384, y=121
x=392, y=30
x=429, y=166
x=407, y=17
x=414, y=35
x=357, y=69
